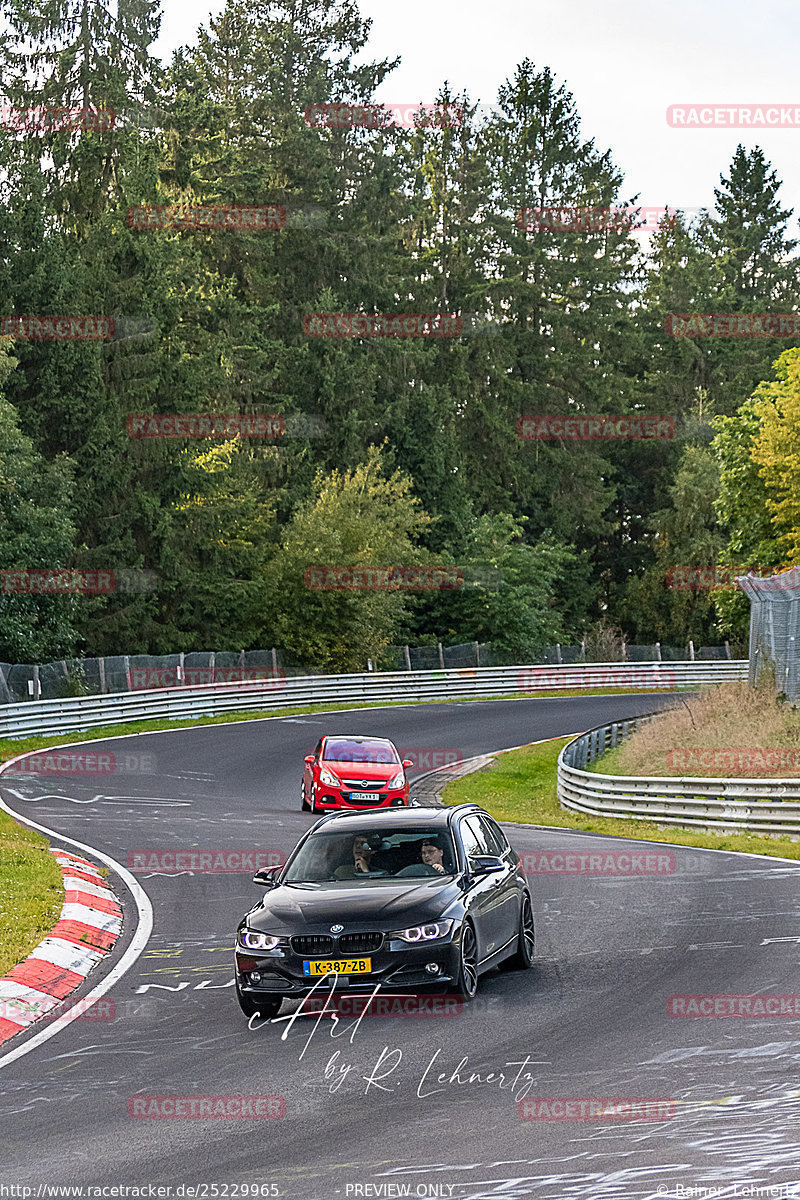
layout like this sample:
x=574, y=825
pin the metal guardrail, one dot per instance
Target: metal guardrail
x=755, y=805
x=88, y=712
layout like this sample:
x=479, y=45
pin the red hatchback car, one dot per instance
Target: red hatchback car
x=347, y=772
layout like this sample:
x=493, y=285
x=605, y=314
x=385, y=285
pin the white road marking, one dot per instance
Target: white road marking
x=137, y=944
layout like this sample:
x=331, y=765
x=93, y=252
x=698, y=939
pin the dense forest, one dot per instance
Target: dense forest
x=398, y=449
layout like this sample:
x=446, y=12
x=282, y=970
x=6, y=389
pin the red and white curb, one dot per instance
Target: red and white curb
x=89, y=925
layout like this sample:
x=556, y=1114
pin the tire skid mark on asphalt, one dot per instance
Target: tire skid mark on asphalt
x=145, y=801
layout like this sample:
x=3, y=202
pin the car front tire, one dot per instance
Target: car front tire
x=522, y=958
x=466, y=982
x=304, y=805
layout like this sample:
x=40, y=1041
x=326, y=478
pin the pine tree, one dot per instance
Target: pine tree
x=36, y=532
x=755, y=269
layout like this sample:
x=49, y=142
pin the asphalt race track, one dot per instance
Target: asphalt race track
x=386, y=1107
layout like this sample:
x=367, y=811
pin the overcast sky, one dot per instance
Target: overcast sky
x=624, y=62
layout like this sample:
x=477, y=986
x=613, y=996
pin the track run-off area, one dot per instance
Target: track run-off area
x=424, y=1104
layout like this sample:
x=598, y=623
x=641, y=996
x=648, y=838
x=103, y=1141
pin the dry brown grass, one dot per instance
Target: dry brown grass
x=742, y=724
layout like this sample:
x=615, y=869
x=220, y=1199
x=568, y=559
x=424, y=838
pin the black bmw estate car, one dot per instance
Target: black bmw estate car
x=404, y=898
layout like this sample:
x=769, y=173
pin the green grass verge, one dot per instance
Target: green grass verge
x=520, y=785
x=10, y=747
x=31, y=891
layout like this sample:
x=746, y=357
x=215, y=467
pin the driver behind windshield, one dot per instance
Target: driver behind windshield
x=431, y=860
x=365, y=860
x=432, y=855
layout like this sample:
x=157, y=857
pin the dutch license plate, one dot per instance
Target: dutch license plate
x=365, y=796
x=342, y=966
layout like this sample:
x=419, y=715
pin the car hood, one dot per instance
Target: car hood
x=313, y=908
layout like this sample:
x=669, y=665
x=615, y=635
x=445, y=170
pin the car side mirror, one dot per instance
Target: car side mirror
x=265, y=876
x=309, y=760
x=408, y=762
x=485, y=864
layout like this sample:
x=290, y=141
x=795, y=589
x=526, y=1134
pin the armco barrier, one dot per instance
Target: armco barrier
x=758, y=805
x=88, y=712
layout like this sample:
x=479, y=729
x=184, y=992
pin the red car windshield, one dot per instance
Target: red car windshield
x=345, y=750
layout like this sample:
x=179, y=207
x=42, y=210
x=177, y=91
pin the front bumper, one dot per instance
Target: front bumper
x=329, y=799
x=395, y=964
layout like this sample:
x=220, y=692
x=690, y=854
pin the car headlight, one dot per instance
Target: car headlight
x=251, y=939
x=328, y=778
x=398, y=780
x=424, y=933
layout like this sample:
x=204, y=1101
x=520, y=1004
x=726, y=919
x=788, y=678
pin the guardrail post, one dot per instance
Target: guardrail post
x=5, y=688
x=101, y=667
x=212, y=663
x=558, y=653
x=128, y=671
x=37, y=684
x=274, y=663
x=407, y=657
x=181, y=659
x=727, y=649
x=658, y=652
x=691, y=651
x=477, y=654
x=441, y=656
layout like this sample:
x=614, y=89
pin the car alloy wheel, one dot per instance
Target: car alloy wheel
x=526, y=940
x=265, y=1007
x=466, y=984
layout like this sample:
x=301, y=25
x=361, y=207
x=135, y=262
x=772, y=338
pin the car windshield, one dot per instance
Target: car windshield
x=347, y=750
x=361, y=855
